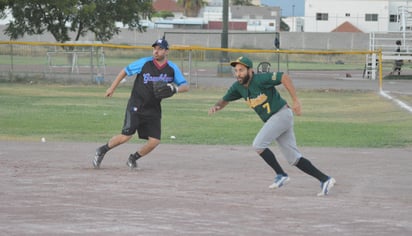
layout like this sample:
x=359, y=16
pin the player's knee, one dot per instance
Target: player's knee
x=153, y=142
x=291, y=158
x=293, y=161
x=119, y=139
x=258, y=148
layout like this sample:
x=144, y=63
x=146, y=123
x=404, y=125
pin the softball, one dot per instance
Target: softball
x=43, y=139
x=173, y=137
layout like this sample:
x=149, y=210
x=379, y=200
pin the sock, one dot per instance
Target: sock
x=105, y=148
x=270, y=159
x=306, y=166
x=136, y=156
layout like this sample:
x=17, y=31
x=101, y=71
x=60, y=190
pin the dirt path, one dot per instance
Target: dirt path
x=51, y=189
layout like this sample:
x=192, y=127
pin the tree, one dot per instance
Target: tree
x=79, y=16
x=192, y=7
x=284, y=26
x=242, y=2
x=163, y=14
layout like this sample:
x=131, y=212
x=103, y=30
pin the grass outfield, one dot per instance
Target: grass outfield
x=333, y=118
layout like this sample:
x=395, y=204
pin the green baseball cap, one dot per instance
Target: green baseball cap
x=242, y=60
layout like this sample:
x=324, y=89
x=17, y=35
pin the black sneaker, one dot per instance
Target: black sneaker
x=98, y=158
x=132, y=162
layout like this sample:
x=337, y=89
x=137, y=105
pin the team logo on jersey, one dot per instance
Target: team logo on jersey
x=161, y=78
x=259, y=100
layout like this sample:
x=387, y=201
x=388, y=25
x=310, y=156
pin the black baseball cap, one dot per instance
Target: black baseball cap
x=162, y=43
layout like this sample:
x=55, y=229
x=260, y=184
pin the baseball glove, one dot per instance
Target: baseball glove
x=164, y=90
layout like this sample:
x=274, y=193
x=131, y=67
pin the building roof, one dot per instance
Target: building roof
x=347, y=27
x=167, y=5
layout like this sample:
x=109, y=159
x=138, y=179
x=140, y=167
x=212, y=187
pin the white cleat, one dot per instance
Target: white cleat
x=326, y=186
x=279, y=181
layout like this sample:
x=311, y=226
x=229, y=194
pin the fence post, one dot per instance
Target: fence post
x=91, y=64
x=373, y=76
x=11, y=71
x=190, y=67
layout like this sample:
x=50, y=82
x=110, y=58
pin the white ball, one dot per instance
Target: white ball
x=43, y=139
x=173, y=137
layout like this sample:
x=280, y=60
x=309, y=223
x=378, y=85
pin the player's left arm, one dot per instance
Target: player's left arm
x=179, y=79
x=183, y=88
x=287, y=83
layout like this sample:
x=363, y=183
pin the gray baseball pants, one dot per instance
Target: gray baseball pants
x=279, y=128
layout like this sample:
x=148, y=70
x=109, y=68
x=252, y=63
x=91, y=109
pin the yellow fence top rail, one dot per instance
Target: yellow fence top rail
x=191, y=47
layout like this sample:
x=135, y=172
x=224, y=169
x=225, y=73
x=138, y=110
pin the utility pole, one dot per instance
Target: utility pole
x=225, y=26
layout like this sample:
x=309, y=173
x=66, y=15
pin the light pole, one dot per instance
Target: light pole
x=293, y=18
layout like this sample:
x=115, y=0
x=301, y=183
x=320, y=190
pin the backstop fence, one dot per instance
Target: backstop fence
x=100, y=63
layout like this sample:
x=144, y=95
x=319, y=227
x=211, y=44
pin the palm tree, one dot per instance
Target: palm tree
x=242, y=2
x=192, y=7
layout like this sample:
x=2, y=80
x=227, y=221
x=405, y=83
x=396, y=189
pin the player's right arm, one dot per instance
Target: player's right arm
x=132, y=69
x=115, y=83
x=218, y=106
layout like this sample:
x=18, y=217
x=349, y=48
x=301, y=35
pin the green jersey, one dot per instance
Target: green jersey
x=261, y=94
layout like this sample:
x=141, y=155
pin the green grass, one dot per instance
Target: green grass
x=81, y=113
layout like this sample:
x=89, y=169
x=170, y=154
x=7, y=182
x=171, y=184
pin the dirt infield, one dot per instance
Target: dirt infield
x=51, y=189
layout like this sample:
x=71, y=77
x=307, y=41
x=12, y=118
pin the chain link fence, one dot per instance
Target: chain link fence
x=100, y=63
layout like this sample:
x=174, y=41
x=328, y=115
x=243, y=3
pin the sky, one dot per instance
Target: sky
x=287, y=6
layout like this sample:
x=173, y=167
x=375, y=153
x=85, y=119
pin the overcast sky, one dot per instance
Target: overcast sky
x=287, y=6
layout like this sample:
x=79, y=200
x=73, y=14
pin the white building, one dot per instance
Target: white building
x=212, y=13
x=366, y=15
x=259, y=19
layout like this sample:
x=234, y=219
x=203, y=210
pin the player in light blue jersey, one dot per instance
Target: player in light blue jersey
x=143, y=112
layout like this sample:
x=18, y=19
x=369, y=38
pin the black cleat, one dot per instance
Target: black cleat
x=98, y=158
x=131, y=163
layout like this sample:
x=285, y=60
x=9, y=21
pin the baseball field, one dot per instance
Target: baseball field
x=208, y=180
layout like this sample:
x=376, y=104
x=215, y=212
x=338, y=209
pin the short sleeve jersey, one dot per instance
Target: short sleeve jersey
x=261, y=94
x=147, y=72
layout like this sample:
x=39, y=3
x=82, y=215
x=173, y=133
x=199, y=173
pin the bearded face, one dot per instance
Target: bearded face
x=242, y=74
x=244, y=80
